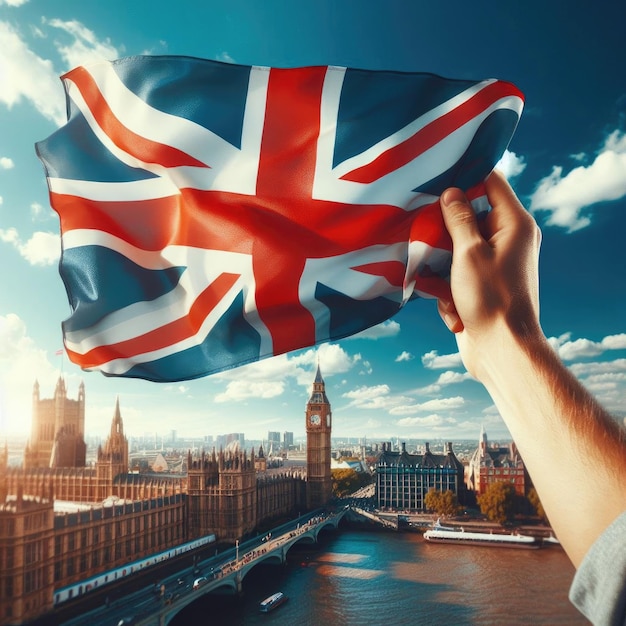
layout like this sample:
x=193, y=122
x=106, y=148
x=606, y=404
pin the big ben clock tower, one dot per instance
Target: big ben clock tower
x=318, y=427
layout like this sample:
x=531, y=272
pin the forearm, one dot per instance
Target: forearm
x=574, y=451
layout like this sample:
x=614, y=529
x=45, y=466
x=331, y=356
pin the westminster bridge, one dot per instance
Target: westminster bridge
x=224, y=572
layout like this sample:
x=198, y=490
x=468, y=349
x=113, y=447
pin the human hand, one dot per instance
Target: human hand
x=494, y=274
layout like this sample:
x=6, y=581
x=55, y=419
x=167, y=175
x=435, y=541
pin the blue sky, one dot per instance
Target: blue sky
x=567, y=161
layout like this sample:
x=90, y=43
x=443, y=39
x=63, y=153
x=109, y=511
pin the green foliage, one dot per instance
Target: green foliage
x=533, y=498
x=443, y=503
x=345, y=482
x=498, y=502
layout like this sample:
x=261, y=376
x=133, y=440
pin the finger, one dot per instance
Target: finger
x=506, y=205
x=459, y=216
x=449, y=315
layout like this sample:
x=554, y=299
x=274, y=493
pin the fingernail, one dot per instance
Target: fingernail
x=451, y=195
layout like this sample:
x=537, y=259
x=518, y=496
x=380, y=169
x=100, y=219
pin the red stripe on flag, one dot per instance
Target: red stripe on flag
x=285, y=187
x=132, y=143
x=392, y=271
x=166, y=335
x=431, y=134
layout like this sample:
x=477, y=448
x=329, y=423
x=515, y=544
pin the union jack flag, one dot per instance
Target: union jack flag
x=215, y=214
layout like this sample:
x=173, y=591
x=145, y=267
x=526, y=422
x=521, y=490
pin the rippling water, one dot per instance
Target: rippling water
x=370, y=578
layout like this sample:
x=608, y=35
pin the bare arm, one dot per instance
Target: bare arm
x=573, y=449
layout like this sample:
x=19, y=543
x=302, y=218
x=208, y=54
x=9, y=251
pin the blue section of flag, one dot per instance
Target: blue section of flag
x=95, y=270
x=211, y=94
x=231, y=342
x=349, y=316
x=481, y=156
x=372, y=110
x=64, y=154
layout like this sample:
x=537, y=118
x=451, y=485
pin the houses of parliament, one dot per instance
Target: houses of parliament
x=116, y=517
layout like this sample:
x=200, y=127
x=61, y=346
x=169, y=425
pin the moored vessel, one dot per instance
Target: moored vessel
x=511, y=540
x=272, y=602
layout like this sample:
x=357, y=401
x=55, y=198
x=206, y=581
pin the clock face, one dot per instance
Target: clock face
x=315, y=420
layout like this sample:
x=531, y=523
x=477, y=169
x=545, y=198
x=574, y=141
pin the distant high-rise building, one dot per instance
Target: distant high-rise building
x=287, y=440
x=273, y=441
x=223, y=441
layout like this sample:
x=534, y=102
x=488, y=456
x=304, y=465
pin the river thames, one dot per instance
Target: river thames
x=354, y=577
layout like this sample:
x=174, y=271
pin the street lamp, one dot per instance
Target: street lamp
x=237, y=551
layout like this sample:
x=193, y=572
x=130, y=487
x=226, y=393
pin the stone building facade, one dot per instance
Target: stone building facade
x=493, y=463
x=58, y=430
x=318, y=445
x=26, y=556
x=126, y=517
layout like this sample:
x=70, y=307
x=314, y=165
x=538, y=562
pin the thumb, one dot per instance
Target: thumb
x=459, y=216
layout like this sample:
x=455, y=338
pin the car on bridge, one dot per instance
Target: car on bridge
x=200, y=582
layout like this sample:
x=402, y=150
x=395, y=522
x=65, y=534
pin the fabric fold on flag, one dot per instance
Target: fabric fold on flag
x=215, y=214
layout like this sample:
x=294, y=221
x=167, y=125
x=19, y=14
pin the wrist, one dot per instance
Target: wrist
x=501, y=355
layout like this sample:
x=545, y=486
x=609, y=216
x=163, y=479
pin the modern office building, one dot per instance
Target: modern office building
x=403, y=479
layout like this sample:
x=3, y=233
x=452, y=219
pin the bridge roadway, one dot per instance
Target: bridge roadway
x=158, y=605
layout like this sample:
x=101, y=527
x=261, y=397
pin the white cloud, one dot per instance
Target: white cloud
x=39, y=212
x=84, y=46
x=270, y=377
x=13, y=3
x=6, y=163
x=434, y=361
x=606, y=381
x=614, y=342
x=433, y=421
x=367, y=368
x=374, y=397
x=598, y=367
x=452, y=378
x=367, y=393
x=41, y=249
x=225, y=57
x=404, y=356
x=564, y=196
x=446, y=378
x=581, y=348
x=438, y=404
x=238, y=390
x=21, y=363
x=28, y=76
x=9, y=236
x=511, y=165
x=389, y=328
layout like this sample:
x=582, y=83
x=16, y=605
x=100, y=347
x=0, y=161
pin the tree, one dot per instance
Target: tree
x=533, y=498
x=498, y=502
x=345, y=482
x=443, y=503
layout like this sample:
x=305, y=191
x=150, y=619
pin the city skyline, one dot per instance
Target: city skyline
x=404, y=378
